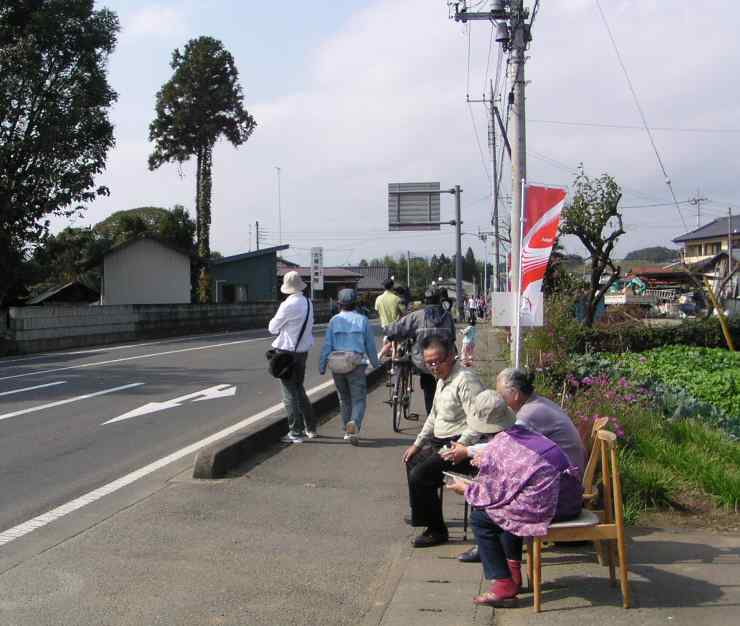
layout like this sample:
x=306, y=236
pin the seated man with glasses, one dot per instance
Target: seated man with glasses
x=456, y=390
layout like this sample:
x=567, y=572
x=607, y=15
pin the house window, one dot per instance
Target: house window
x=694, y=250
x=712, y=248
x=232, y=294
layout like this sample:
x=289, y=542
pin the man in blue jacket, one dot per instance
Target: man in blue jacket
x=349, y=341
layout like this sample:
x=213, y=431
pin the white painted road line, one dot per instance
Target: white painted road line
x=50, y=405
x=126, y=346
x=47, y=518
x=9, y=393
x=132, y=358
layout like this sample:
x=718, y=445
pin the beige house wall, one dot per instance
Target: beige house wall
x=146, y=272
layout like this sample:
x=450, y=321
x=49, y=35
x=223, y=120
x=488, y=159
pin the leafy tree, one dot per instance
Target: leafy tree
x=177, y=226
x=594, y=218
x=470, y=267
x=655, y=254
x=557, y=277
x=54, y=126
x=119, y=221
x=200, y=103
x=62, y=258
x=364, y=263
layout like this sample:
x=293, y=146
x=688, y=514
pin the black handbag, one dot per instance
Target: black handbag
x=280, y=363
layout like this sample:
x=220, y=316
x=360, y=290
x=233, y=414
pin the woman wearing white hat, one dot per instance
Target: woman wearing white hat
x=293, y=325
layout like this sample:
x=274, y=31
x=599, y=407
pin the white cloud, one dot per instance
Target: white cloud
x=384, y=101
x=156, y=20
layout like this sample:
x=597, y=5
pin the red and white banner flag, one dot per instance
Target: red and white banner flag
x=542, y=208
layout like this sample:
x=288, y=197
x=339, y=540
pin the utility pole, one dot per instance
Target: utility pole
x=280, y=210
x=494, y=179
x=408, y=269
x=458, y=258
x=696, y=201
x=495, y=192
x=257, y=227
x=513, y=32
x=729, y=241
x=519, y=40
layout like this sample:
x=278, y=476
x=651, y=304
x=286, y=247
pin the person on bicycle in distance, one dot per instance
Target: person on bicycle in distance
x=432, y=320
x=388, y=305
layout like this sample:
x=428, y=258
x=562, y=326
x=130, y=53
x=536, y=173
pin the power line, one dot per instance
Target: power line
x=488, y=61
x=467, y=80
x=674, y=129
x=642, y=113
x=477, y=141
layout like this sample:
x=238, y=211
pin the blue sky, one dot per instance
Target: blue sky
x=352, y=95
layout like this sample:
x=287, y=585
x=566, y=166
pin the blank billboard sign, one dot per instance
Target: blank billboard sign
x=413, y=206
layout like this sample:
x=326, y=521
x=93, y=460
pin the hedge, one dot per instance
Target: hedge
x=639, y=337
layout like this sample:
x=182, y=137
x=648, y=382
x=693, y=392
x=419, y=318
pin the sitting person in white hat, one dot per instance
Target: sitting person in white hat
x=293, y=325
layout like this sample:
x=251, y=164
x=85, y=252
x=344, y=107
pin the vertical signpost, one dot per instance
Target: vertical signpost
x=317, y=270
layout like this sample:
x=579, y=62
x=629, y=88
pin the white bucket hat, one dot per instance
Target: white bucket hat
x=491, y=414
x=292, y=283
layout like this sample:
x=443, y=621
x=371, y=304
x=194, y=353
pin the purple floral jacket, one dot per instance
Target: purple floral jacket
x=524, y=482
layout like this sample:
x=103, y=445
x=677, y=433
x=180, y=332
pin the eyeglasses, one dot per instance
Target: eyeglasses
x=435, y=364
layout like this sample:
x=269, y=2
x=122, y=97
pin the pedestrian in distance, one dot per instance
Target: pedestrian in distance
x=348, y=344
x=293, y=325
x=389, y=305
x=468, y=343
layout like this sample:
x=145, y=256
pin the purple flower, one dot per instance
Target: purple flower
x=587, y=380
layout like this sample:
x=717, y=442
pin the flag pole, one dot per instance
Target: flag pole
x=518, y=301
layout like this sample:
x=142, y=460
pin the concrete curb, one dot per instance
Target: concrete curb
x=217, y=460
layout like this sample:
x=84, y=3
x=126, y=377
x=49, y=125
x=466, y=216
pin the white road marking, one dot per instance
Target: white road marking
x=218, y=391
x=8, y=393
x=47, y=518
x=45, y=355
x=132, y=358
x=126, y=346
x=50, y=405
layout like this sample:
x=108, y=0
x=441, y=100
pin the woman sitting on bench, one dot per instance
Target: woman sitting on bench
x=525, y=482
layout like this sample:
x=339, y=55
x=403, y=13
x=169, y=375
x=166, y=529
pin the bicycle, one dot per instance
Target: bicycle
x=402, y=389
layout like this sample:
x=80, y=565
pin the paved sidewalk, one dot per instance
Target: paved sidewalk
x=313, y=535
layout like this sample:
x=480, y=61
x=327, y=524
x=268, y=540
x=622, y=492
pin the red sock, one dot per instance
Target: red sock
x=515, y=567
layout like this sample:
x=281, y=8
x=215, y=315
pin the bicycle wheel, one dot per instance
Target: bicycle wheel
x=398, y=395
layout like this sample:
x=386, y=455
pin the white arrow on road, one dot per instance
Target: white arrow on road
x=219, y=391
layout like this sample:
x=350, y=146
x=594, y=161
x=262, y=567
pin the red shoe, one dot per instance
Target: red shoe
x=501, y=595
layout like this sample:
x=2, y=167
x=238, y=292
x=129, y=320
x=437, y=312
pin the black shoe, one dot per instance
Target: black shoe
x=469, y=556
x=431, y=537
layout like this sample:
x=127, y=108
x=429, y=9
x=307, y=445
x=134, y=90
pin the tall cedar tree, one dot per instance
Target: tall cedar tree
x=590, y=216
x=201, y=102
x=54, y=126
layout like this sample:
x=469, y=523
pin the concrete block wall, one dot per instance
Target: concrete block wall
x=39, y=329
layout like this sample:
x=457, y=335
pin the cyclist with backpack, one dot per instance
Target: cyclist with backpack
x=432, y=320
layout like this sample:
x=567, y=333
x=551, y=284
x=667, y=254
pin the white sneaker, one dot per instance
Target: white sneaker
x=352, y=433
x=346, y=436
x=291, y=439
x=311, y=434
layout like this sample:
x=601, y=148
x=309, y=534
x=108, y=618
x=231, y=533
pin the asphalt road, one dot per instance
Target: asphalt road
x=54, y=443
